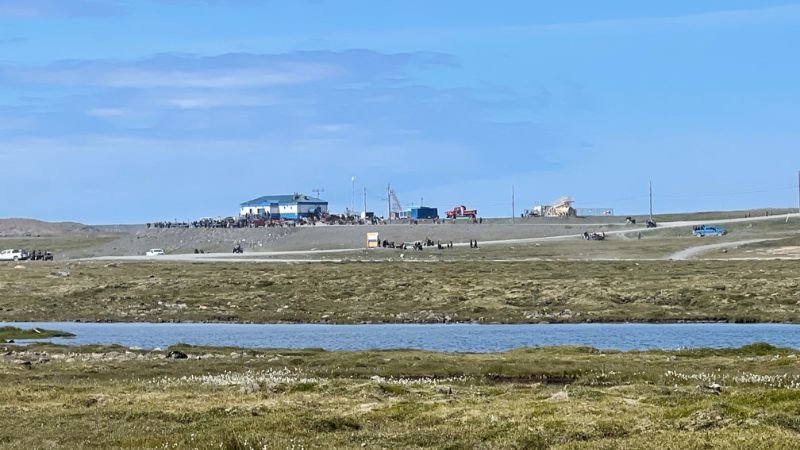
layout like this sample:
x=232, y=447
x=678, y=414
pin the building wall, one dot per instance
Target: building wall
x=286, y=211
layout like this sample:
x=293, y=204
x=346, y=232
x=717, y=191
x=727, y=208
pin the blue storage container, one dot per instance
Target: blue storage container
x=423, y=212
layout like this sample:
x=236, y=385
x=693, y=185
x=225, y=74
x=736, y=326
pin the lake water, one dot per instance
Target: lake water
x=452, y=337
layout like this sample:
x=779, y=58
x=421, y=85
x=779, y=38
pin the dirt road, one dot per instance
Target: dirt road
x=700, y=249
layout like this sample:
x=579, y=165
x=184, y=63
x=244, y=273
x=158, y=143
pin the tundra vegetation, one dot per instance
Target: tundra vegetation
x=401, y=292
x=531, y=398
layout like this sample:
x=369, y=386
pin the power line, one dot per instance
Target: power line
x=650, y=196
x=728, y=194
x=678, y=195
x=353, y=198
x=618, y=200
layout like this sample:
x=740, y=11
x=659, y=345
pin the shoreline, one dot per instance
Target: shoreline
x=30, y=348
x=476, y=323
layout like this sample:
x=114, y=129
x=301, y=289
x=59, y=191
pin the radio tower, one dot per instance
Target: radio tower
x=394, y=206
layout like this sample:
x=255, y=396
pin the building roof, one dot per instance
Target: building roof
x=283, y=199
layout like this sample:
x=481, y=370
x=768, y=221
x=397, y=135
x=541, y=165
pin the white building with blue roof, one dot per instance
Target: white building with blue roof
x=291, y=206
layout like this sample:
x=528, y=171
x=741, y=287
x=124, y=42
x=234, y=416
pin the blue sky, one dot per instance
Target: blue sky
x=117, y=111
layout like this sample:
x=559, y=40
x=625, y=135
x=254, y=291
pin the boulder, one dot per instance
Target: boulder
x=177, y=355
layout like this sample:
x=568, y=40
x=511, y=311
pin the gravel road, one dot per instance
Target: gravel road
x=700, y=249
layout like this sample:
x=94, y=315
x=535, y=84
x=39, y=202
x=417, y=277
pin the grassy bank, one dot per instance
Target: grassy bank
x=13, y=333
x=576, y=398
x=519, y=292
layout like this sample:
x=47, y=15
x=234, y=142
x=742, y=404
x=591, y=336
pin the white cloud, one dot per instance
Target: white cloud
x=287, y=74
x=224, y=72
x=343, y=112
x=331, y=128
x=73, y=8
x=208, y=100
x=103, y=75
x=732, y=17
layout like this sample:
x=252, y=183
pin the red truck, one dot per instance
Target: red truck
x=462, y=211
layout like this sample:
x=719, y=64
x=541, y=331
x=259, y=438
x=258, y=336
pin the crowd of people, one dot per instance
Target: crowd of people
x=37, y=255
x=260, y=221
x=227, y=222
x=420, y=245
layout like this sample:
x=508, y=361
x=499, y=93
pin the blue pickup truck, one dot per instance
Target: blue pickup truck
x=708, y=230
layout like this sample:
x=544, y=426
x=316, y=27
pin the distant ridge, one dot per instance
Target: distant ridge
x=16, y=227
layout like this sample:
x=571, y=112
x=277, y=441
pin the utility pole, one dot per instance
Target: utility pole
x=513, y=207
x=651, y=199
x=365, y=202
x=798, y=191
x=353, y=199
x=389, y=201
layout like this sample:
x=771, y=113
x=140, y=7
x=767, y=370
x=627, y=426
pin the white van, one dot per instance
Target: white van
x=13, y=255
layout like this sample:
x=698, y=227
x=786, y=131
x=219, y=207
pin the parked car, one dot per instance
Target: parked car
x=13, y=255
x=708, y=230
x=155, y=252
